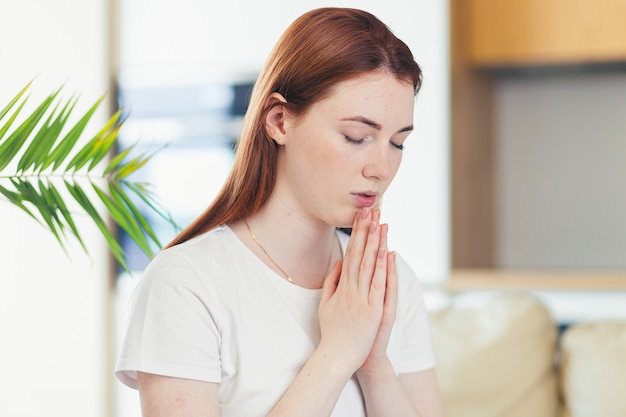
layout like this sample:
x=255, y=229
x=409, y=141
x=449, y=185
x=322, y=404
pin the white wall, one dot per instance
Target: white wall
x=53, y=308
x=199, y=39
x=561, y=143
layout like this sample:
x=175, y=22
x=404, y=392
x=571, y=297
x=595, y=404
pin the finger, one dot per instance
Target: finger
x=371, y=254
x=330, y=282
x=384, y=228
x=378, y=283
x=383, y=245
x=391, y=293
x=356, y=246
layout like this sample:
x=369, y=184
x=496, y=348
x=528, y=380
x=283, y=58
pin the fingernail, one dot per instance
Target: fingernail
x=365, y=212
x=373, y=226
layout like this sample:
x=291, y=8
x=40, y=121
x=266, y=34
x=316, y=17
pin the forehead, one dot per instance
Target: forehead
x=377, y=95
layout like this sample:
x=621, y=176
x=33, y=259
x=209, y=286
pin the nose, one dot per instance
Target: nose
x=381, y=165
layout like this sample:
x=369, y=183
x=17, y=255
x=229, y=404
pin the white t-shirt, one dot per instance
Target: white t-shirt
x=209, y=309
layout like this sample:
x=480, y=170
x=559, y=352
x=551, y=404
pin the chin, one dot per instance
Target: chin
x=346, y=222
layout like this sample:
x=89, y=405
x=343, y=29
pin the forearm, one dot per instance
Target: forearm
x=384, y=394
x=315, y=390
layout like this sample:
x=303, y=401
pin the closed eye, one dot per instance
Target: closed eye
x=353, y=140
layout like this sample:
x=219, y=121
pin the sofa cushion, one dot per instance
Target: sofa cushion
x=497, y=360
x=593, y=370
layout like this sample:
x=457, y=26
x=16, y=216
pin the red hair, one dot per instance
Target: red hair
x=318, y=50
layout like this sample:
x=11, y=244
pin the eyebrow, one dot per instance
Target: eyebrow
x=373, y=124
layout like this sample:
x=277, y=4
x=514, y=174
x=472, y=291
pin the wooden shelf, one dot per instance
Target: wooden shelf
x=537, y=32
x=467, y=279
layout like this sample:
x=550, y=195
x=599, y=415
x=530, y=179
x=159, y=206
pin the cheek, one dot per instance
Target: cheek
x=334, y=156
x=395, y=163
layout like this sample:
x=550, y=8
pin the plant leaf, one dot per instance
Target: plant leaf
x=147, y=197
x=17, y=199
x=131, y=166
x=63, y=149
x=89, y=152
x=4, y=129
x=125, y=220
x=103, y=148
x=62, y=208
x=37, y=145
x=14, y=142
x=116, y=161
x=43, y=150
x=82, y=199
x=47, y=213
x=49, y=135
x=118, y=193
x=9, y=106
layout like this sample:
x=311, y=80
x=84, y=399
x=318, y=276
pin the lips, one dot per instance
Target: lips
x=365, y=199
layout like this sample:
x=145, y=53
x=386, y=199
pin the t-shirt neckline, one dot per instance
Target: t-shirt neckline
x=276, y=279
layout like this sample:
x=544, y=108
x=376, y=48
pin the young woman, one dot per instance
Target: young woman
x=262, y=307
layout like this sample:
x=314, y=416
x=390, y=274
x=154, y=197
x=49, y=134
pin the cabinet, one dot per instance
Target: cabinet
x=529, y=32
x=488, y=34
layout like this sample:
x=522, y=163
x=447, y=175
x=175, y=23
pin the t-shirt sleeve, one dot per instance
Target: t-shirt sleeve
x=171, y=325
x=415, y=340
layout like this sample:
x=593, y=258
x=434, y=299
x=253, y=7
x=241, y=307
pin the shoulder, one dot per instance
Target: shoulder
x=188, y=278
x=195, y=264
x=196, y=253
x=207, y=242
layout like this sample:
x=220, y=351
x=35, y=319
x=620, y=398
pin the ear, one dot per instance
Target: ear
x=275, y=118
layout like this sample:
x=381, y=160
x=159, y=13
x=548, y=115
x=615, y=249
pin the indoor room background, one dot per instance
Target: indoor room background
x=60, y=312
x=181, y=70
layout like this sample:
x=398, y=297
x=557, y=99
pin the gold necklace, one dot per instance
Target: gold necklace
x=287, y=277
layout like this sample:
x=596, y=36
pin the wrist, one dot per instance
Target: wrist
x=380, y=370
x=333, y=366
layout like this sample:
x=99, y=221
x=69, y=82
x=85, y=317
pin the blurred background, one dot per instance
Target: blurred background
x=513, y=177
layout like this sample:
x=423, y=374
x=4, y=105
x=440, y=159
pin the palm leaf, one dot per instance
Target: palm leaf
x=42, y=154
x=47, y=213
x=44, y=140
x=9, y=106
x=17, y=199
x=140, y=191
x=5, y=128
x=64, y=148
x=10, y=146
x=98, y=147
x=125, y=219
x=118, y=193
x=83, y=200
x=117, y=160
x=60, y=204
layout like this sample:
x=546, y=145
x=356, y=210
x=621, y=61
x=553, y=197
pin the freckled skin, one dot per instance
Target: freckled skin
x=319, y=170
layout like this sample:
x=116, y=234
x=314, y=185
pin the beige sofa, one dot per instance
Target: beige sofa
x=507, y=358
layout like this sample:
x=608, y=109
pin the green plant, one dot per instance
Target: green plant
x=49, y=172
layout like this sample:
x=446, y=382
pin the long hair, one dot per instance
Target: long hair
x=318, y=50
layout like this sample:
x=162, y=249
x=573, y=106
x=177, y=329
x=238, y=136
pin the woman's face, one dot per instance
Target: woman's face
x=342, y=154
